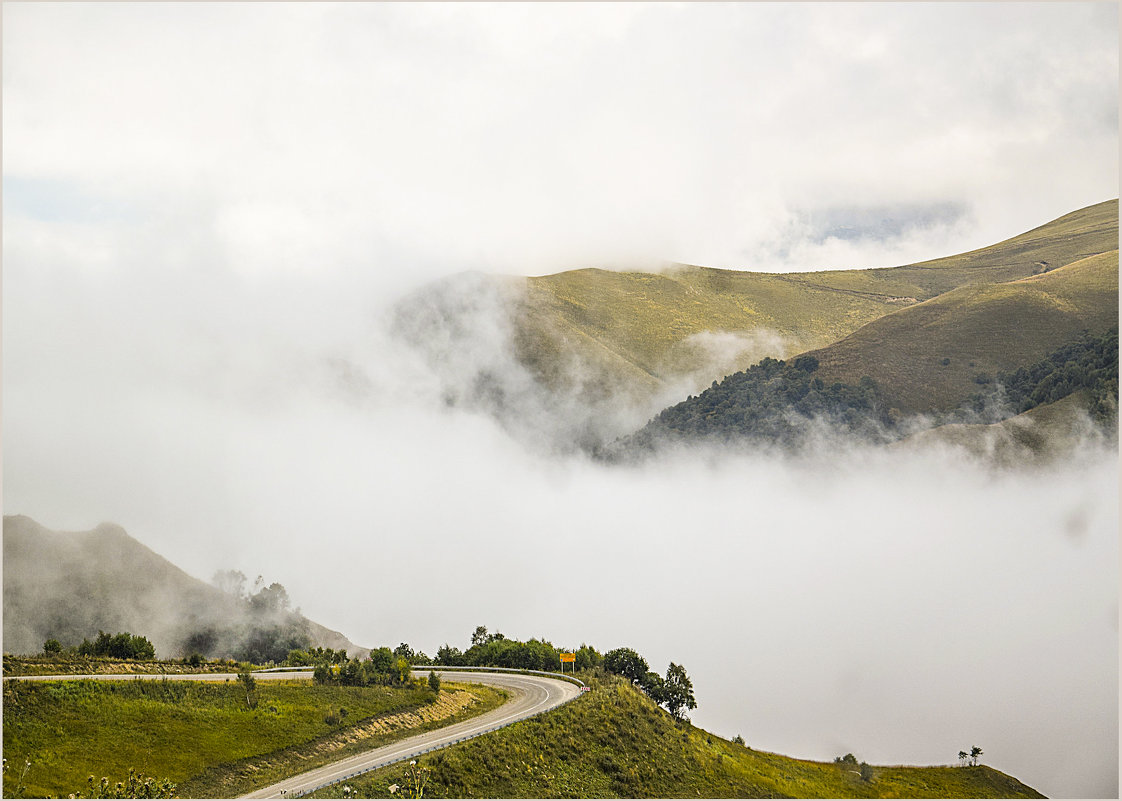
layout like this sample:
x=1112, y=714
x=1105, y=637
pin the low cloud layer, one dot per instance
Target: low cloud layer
x=211, y=211
x=898, y=605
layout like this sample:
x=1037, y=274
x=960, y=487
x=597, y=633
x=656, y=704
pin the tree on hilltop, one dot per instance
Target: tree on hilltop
x=627, y=663
x=677, y=691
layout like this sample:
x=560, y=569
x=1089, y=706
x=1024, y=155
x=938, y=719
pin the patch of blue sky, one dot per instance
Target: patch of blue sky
x=881, y=223
x=56, y=201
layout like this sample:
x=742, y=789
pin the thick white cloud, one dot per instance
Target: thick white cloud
x=542, y=136
x=207, y=205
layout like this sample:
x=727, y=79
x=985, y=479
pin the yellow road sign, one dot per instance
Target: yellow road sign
x=568, y=657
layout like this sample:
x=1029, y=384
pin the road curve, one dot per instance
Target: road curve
x=530, y=695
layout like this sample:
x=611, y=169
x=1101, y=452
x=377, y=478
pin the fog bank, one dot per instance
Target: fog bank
x=898, y=605
x=210, y=211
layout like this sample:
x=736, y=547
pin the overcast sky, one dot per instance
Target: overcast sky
x=208, y=206
x=413, y=139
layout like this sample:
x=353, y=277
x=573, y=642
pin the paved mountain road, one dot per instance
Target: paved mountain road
x=530, y=695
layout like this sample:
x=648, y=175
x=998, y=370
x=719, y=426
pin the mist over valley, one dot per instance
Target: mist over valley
x=778, y=341
x=842, y=597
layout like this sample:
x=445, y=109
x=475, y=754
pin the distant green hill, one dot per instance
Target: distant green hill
x=615, y=743
x=636, y=329
x=927, y=357
x=789, y=405
x=604, y=341
x=68, y=585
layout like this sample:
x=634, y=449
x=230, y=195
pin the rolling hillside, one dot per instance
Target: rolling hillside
x=615, y=743
x=639, y=329
x=604, y=351
x=926, y=358
x=69, y=585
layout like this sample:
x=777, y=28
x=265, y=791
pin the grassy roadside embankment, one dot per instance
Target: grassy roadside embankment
x=98, y=665
x=203, y=736
x=614, y=742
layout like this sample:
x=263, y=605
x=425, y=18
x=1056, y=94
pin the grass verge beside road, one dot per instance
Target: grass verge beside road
x=204, y=736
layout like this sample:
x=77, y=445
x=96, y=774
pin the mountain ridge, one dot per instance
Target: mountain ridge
x=69, y=585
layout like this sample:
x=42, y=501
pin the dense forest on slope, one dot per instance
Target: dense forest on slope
x=785, y=404
x=1089, y=364
x=773, y=402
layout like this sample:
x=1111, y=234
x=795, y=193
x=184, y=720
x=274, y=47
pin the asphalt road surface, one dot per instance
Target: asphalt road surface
x=529, y=695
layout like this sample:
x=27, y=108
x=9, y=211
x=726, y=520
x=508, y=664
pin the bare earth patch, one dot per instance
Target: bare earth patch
x=446, y=705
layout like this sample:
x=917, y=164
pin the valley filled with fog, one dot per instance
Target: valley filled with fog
x=901, y=605
x=214, y=213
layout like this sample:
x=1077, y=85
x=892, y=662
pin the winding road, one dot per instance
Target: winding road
x=530, y=695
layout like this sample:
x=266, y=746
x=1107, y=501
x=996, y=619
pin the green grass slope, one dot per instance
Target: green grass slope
x=978, y=329
x=202, y=735
x=615, y=743
x=68, y=585
x=629, y=331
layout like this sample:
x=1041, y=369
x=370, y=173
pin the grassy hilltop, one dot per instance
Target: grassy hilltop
x=927, y=357
x=596, y=352
x=615, y=743
x=633, y=331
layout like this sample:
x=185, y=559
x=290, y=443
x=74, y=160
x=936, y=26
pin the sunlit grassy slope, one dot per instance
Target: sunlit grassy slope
x=613, y=742
x=977, y=329
x=202, y=735
x=630, y=331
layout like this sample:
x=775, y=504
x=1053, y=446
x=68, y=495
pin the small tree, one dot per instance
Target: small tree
x=975, y=752
x=627, y=663
x=434, y=682
x=866, y=772
x=738, y=740
x=381, y=660
x=402, y=670
x=449, y=655
x=52, y=647
x=677, y=691
x=962, y=757
x=250, y=684
x=653, y=685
